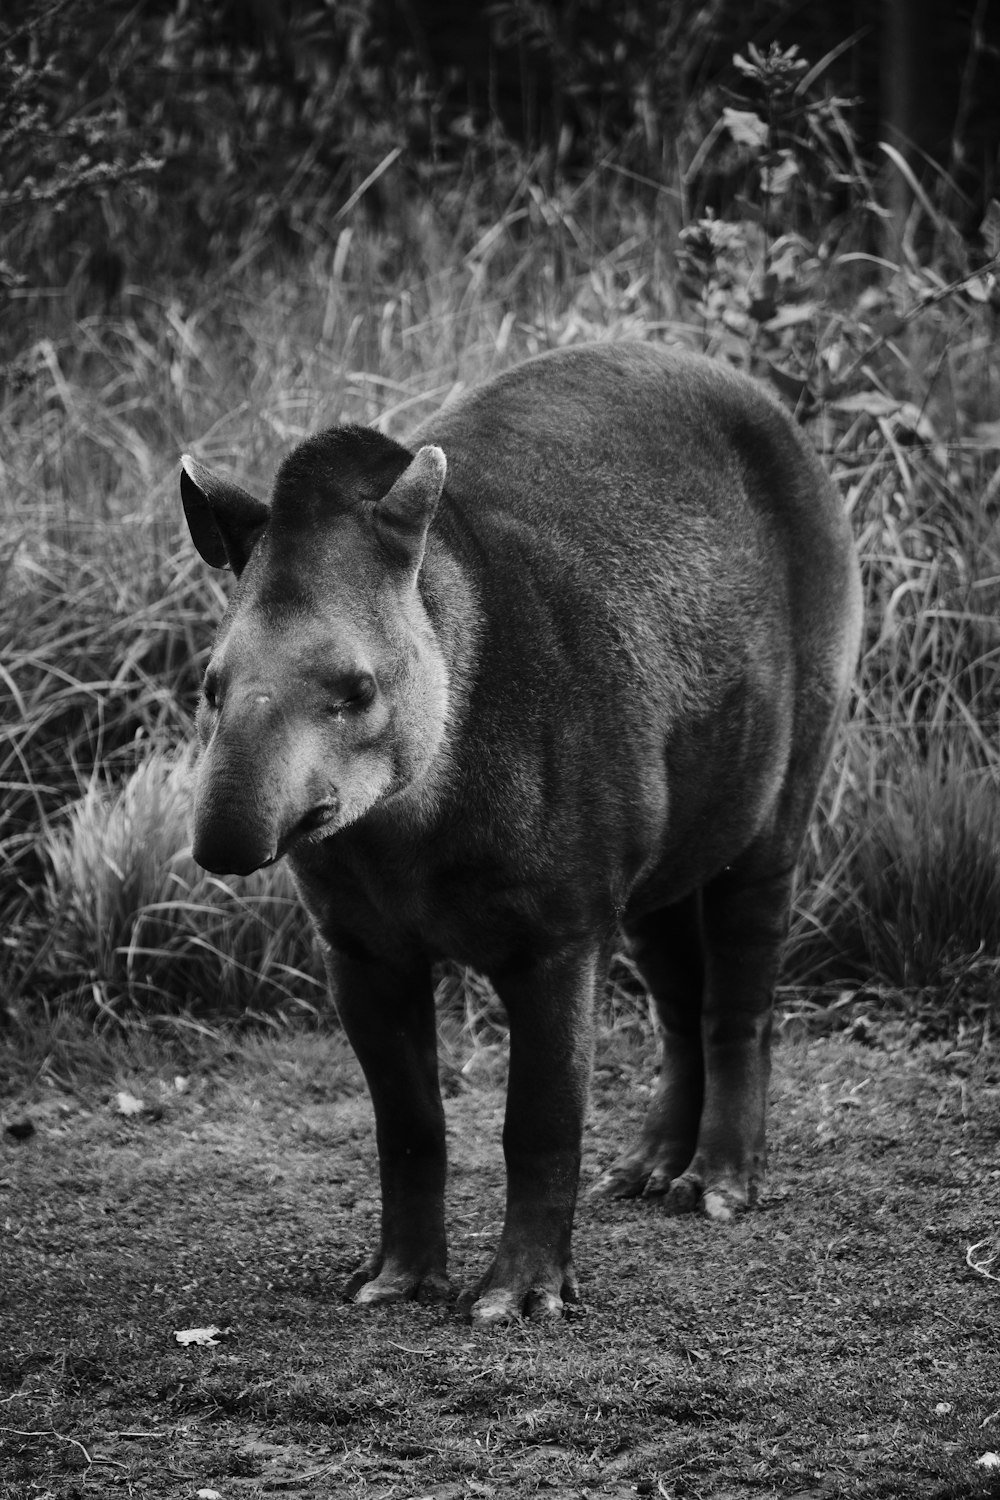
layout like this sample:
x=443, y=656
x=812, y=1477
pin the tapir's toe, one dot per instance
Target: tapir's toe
x=658, y=1182
x=641, y=1173
x=683, y=1195
x=495, y=1308
x=723, y=1205
x=722, y=1200
x=620, y=1181
x=397, y=1286
x=540, y=1304
x=381, y=1290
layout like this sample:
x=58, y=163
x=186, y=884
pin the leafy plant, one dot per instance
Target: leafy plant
x=61, y=152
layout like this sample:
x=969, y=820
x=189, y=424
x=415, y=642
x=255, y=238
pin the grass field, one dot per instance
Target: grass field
x=838, y=1342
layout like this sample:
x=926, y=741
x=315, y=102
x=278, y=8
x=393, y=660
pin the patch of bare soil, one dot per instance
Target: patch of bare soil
x=836, y=1342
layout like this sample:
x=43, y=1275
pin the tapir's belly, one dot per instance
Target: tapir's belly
x=484, y=917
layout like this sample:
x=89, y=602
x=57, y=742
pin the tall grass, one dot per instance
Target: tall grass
x=131, y=916
x=106, y=616
x=906, y=894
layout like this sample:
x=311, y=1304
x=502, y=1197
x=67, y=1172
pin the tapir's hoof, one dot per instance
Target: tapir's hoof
x=389, y=1286
x=722, y=1202
x=499, y=1307
x=635, y=1177
x=496, y=1306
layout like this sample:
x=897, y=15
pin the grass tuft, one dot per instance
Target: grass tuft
x=905, y=896
x=135, y=927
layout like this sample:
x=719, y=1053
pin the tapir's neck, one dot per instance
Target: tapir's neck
x=451, y=600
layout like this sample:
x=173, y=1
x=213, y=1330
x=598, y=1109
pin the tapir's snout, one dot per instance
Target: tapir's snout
x=259, y=786
x=235, y=820
x=229, y=845
x=223, y=848
x=235, y=832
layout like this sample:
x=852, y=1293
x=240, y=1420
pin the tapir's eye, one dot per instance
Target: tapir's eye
x=353, y=693
x=210, y=691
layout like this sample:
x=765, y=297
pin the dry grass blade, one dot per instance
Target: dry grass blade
x=981, y=1263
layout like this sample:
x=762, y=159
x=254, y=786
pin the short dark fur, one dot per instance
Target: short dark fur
x=341, y=469
x=589, y=683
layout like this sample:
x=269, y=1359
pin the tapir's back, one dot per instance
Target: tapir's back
x=549, y=440
x=669, y=491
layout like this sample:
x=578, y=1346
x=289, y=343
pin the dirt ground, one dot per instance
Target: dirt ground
x=835, y=1342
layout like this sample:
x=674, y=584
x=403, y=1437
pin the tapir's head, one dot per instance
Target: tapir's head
x=327, y=690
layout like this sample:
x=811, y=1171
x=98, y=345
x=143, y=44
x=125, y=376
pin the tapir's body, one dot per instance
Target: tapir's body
x=590, y=682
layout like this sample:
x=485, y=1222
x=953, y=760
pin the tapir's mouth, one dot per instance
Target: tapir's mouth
x=319, y=816
x=306, y=829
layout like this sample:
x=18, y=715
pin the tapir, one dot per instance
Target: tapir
x=561, y=671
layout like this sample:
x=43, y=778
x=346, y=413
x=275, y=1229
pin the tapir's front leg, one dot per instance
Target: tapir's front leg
x=388, y=1015
x=550, y=1005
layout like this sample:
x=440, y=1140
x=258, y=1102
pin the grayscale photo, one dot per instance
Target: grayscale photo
x=499, y=750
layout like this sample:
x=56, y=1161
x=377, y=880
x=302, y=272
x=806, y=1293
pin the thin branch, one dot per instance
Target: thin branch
x=50, y=1432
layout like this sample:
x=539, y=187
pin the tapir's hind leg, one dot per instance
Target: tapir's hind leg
x=743, y=922
x=667, y=946
x=744, y=919
x=388, y=1016
x=711, y=962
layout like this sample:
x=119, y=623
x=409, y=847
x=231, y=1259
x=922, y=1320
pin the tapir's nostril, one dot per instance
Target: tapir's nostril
x=228, y=857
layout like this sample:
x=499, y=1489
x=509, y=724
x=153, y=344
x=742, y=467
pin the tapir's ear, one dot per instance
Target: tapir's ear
x=403, y=515
x=223, y=519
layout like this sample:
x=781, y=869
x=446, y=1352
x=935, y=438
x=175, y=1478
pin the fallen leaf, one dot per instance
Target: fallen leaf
x=202, y=1338
x=128, y=1104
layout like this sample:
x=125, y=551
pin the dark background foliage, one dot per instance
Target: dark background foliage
x=150, y=138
